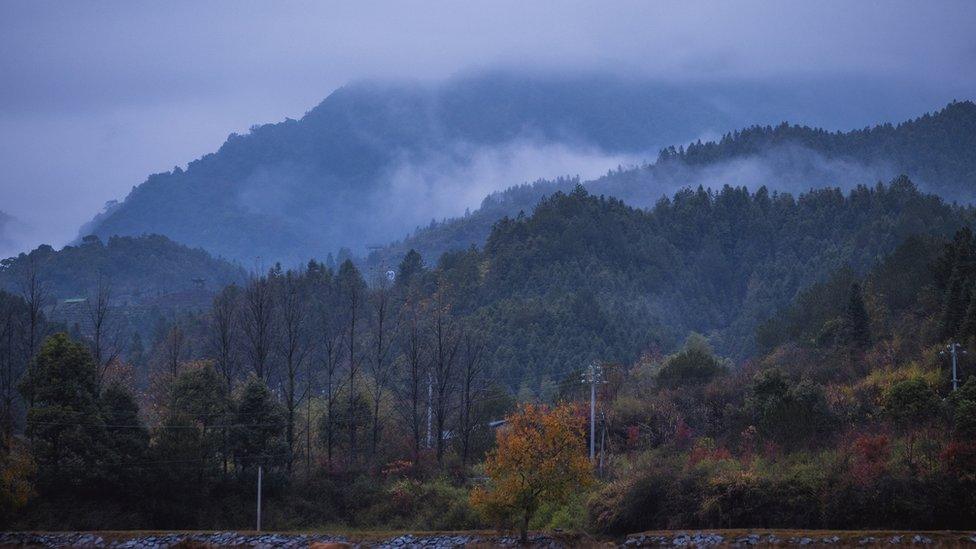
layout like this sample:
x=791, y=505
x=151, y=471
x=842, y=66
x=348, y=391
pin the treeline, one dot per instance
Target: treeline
x=934, y=148
x=586, y=277
x=322, y=380
x=140, y=268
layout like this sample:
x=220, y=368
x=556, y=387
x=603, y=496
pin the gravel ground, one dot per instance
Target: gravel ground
x=439, y=541
x=233, y=539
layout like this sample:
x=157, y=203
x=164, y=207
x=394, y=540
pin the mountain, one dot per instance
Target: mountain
x=375, y=160
x=937, y=151
x=138, y=270
x=587, y=277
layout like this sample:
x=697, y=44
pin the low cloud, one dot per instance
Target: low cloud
x=443, y=186
x=786, y=168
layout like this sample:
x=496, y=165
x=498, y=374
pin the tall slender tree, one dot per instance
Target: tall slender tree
x=472, y=388
x=223, y=332
x=384, y=323
x=445, y=341
x=352, y=289
x=414, y=370
x=103, y=331
x=257, y=325
x=292, y=303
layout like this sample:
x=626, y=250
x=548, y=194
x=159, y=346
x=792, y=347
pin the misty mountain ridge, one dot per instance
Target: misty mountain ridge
x=375, y=160
x=938, y=152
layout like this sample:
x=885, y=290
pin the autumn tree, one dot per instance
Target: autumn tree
x=540, y=458
x=17, y=471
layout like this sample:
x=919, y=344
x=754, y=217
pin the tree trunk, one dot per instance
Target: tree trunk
x=290, y=427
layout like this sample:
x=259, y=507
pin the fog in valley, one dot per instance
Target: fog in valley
x=86, y=112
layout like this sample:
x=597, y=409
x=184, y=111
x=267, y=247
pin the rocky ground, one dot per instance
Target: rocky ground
x=436, y=541
x=233, y=539
x=842, y=539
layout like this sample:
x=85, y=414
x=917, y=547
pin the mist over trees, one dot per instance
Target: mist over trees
x=934, y=150
x=419, y=152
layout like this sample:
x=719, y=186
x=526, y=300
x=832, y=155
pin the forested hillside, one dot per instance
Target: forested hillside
x=848, y=418
x=374, y=404
x=935, y=150
x=376, y=160
x=362, y=167
x=137, y=268
x=586, y=277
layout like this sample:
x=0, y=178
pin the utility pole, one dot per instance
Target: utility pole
x=603, y=441
x=308, y=425
x=592, y=376
x=260, y=472
x=953, y=349
x=430, y=404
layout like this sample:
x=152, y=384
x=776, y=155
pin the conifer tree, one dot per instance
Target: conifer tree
x=858, y=322
x=65, y=421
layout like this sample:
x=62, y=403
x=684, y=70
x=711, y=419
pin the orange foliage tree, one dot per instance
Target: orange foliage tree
x=540, y=457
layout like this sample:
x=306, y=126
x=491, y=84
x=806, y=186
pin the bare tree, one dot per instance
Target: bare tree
x=104, y=332
x=445, y=342
x=383, y=327
x=332, y=353
x=257, y=323
x=351, y=288
x=34, y=291
x=411, y=390
x=223, y=333
x=13, y=321
x=472, y=387
x=174, y=348
x=224, y=320
x=293, y=346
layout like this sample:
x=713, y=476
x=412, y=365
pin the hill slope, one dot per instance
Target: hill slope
x=139, y=269
x=375, y=160
x=592, y=278
x=938, y=151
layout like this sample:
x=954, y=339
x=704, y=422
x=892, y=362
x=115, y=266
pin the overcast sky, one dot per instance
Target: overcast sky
x=96, y=95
